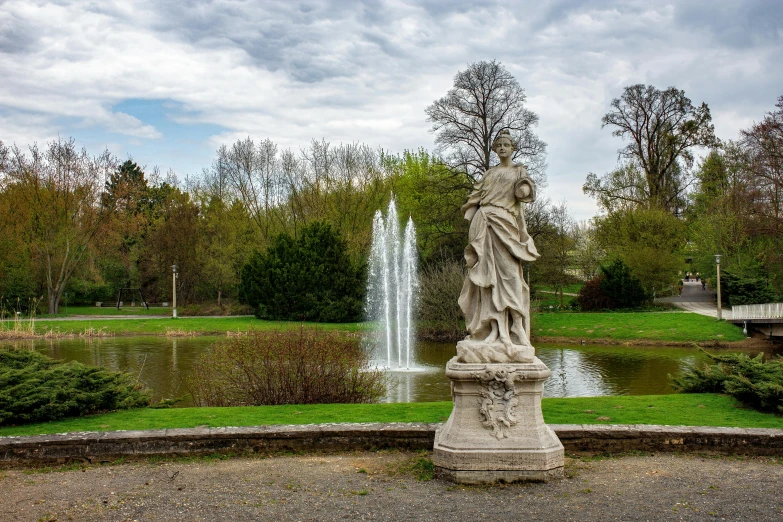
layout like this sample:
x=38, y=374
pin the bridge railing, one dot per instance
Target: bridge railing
x=758, y=311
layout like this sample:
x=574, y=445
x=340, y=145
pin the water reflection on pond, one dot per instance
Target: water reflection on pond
x=577, y=371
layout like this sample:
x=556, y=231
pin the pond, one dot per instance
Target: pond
x=163, y=363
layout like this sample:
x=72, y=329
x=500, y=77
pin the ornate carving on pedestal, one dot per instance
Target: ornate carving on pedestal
x=497, y=402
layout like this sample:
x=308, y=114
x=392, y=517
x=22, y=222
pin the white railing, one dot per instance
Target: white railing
x=758, y=311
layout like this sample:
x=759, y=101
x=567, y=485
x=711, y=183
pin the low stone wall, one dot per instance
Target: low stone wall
x=109, y=446
x=687, y=439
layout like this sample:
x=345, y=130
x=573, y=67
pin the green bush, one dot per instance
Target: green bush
x=614, y=288
x=36, y=388
x=83, y=292
x=291, y=367
x=311, y=278
x=746, y=290
x=753, y=381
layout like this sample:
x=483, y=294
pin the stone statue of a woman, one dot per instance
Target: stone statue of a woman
x=495, y=298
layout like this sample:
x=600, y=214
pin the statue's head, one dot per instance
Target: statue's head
x=504, y=134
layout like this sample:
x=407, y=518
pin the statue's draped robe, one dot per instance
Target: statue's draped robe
x=495, y=288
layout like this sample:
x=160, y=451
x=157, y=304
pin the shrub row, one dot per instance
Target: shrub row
x=36, y=388
x=753, y=381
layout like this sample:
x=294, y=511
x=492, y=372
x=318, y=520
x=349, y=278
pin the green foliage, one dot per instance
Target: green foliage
x=290, y=367
x=35, y=388
x=746, y=290
x=85, y=292
x=615, y=288
x=648, y=241
x=311, y=278
x=753, y=381
x=432, y=195
x=622, y=287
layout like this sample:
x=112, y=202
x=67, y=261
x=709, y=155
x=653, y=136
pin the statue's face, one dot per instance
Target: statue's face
x=504, y=148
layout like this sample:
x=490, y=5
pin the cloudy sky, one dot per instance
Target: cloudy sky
x=167, y=84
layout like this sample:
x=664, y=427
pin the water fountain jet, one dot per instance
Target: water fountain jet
x=391, y=288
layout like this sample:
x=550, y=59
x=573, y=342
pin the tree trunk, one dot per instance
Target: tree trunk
x=53, y=302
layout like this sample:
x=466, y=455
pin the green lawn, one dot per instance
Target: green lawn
x=194, y=325
x=675, y=327
x=674, y=410
x=573, y=288
x=656, y=326
x=544, y=301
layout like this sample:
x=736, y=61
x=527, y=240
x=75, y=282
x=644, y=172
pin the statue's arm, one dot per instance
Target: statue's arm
x=472, y=204
x=524, y=188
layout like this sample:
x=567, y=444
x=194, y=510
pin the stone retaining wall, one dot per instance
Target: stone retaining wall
x=108, y=446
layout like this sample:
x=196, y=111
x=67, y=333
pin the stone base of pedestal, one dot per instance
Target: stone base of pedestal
x=496, y=431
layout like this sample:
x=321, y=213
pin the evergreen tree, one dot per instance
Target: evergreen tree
x=311, y=278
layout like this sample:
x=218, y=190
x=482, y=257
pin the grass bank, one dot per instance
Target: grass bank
x=661, y=327
x=166, y=326
x=673, y=410
x=683, y=328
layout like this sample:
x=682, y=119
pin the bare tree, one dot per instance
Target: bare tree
x=559, y=248
x=762, y=145
x=587, y=252
x=485, y=99
x=254, y=175
x=662, y=127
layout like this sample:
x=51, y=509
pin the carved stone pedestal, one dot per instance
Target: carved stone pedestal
x=496, y=431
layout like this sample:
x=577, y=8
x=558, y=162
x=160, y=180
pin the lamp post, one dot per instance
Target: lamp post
x=717, y=264
x=174, y=291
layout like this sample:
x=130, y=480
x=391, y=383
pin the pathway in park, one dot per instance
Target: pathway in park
x=695, y=299
x=380, y=486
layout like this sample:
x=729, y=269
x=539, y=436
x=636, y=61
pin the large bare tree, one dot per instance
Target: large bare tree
x=485, y=99
x=662, y=128
x=762, y=145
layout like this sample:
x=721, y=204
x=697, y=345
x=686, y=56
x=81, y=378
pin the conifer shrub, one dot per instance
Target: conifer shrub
x=303, y=366
x=739, y=290
x=311, y=278
x=614, y=288
x=755, y=382
x=37, y=388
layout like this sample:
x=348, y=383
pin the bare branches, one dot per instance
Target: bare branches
x=661, y=127
x=485, y=99
x=282, y=190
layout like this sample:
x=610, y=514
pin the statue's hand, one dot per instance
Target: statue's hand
x=524, y=190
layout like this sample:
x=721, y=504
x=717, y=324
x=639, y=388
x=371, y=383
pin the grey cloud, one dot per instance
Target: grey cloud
x=17, y=36
x=737, y=23
x=274, y=35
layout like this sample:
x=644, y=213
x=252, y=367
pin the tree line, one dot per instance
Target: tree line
x=77, y=228
x=664, y=214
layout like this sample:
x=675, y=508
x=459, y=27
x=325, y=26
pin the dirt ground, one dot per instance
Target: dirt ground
x=386, y=486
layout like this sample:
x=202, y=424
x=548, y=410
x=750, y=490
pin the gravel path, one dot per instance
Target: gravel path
x=377, y=486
